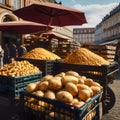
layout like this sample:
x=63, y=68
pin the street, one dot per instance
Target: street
x=114, y=113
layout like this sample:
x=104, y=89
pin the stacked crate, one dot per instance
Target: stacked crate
x=49, y=44
x=106, y=51
x=66, y=47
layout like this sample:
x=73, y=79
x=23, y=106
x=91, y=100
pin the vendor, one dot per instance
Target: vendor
x=1, y=56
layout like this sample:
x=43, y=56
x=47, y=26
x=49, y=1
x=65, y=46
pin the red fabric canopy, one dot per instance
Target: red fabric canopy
x=51, y=14
x=54, y=35
x=23, y=27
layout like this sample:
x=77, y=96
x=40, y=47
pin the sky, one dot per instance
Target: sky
x=95, y=10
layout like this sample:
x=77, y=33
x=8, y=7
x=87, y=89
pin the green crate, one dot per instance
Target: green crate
x=14, y=85
x=46, y=66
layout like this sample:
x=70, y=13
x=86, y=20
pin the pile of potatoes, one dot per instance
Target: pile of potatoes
x=18, y=68
x=85, y=57
x=67, y=87
x=40, y=54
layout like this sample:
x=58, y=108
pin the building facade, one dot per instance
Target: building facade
x=6, y=8
x=98, y=33
x=84, y=35
x=110, y=26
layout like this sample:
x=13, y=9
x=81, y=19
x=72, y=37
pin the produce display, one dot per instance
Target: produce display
x=67, y=87
x=18, y=68
x=41, y=54
x=85, y=57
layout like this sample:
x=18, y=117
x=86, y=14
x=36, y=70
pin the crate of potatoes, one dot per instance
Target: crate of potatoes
x=65, y=96
x=15, y=76
x=87, y=63
x=41, y=58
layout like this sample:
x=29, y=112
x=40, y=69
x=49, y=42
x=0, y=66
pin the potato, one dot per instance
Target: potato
x=82, y=86
x=96, y=84
x=74, y=101
x=51, y=114
x=95, y=89
x=39, y=93
x=43, y=85
x=62, y=74
x=30, y=99
x=64, y=96
x=83, y=77
x=88, y=82
x=78, y=104
x=72, y=88
x=31, y=87
x=49, y=94
x=63, y=116
x=47, y=78
x=55, y=83
x=80, y=80
x=69, y=78
x=84, y=94
x=72, y=73
x=88, y=99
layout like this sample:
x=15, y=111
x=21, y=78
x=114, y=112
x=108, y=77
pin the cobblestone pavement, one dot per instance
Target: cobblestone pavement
x=114, y=113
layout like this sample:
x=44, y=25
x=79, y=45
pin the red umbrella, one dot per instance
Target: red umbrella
x=23, y=27
x=51, y=14
x=54, y=35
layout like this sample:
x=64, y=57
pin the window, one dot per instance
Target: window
x=2, y=1
x=16, y=4
x=7, y=18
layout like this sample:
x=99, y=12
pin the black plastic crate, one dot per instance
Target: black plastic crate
x=14, y=85
x=103, y=74
x=46, y=66
x=56, y=110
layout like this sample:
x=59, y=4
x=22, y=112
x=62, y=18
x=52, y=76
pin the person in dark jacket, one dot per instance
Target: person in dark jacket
x=21, y=49
x=12, y=51
x=6, y=54
x=1, y=56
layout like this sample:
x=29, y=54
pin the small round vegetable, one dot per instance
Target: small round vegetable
x=69, y=78
x=39, y=93
x=95, y=89
x=62, y=74
x=84, y=94
x=47, y=78
x=31, y=87
x=83, y=86
x=64, y=96
x=78, y=104
x=43, y=85
x=72, y=88
x=49, y=94
x=88, y=82
x=55, y=83
x=73, y=73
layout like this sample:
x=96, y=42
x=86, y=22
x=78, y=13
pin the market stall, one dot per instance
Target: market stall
x=93, y=66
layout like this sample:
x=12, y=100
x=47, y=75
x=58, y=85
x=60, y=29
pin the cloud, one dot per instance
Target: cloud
x=95, y=13
x=74, y=1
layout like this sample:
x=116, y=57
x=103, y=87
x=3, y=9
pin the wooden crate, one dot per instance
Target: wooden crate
x=105, y=51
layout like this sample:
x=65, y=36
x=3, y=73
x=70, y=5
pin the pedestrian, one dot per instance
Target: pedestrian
x=1, y=56
x=21, y=49
x=6, y=54
x=12, y=51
